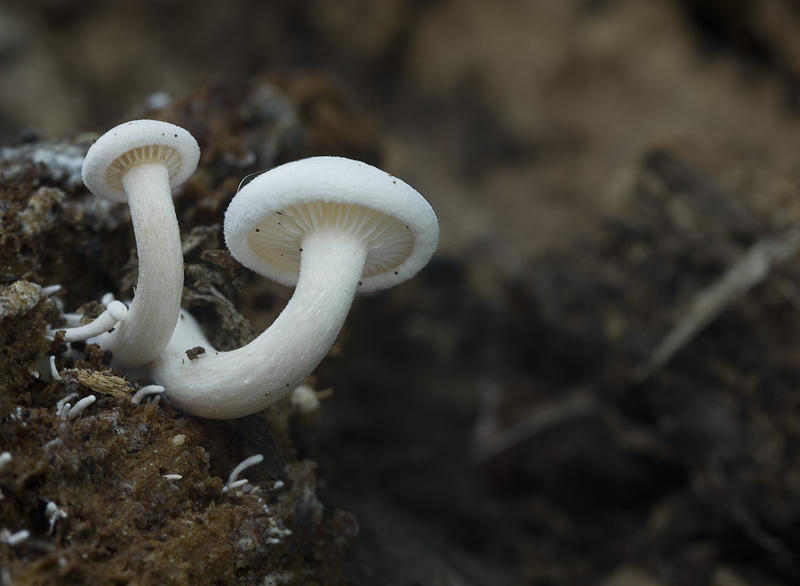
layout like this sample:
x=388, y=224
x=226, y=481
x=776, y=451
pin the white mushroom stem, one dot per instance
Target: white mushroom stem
x=226, y=385
x=115, y=313
x=156, y=303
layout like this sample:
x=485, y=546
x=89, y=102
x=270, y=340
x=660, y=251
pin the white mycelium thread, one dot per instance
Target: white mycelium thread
x=145, y=392
x=233, y=481
x=115, y=313
x=70, y=413
x=13, y=539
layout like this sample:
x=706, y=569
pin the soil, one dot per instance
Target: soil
x=594, y=382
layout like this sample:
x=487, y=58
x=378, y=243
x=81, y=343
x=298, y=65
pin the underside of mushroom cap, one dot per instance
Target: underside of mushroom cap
x=137, y=142
x=267, y=220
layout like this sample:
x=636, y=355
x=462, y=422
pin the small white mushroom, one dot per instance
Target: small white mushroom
x=53, y=514
x=332, y=227
x=141, y=162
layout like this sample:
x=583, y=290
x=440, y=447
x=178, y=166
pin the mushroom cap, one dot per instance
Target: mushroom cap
x=134, y=142
x=267, y=219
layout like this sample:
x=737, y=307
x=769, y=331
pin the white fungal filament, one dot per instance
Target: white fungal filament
x=115, y=312
x=13, y=539
x=53, y=370
x=72, y=413
x=145, y=391
x=243, y=465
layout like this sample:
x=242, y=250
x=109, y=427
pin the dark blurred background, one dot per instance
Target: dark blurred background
x=471, y=98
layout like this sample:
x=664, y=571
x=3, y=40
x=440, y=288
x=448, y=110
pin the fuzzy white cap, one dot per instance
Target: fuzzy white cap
x=400, y=236
x=128, y=137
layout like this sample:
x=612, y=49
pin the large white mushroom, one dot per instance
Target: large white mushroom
x=332, y=227
x=141, y=162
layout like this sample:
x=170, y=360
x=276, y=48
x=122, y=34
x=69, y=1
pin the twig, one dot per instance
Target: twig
x=747, y=272
x=578, y=404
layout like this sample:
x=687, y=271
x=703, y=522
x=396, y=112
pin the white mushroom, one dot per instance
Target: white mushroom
x=141, y=162
x=330, y=225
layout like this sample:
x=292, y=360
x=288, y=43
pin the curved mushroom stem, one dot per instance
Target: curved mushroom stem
x=156, y=303
x=226, y=385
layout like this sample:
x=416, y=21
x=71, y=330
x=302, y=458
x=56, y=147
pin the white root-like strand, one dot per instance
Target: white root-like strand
x=145, y=392
x=115, y=312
